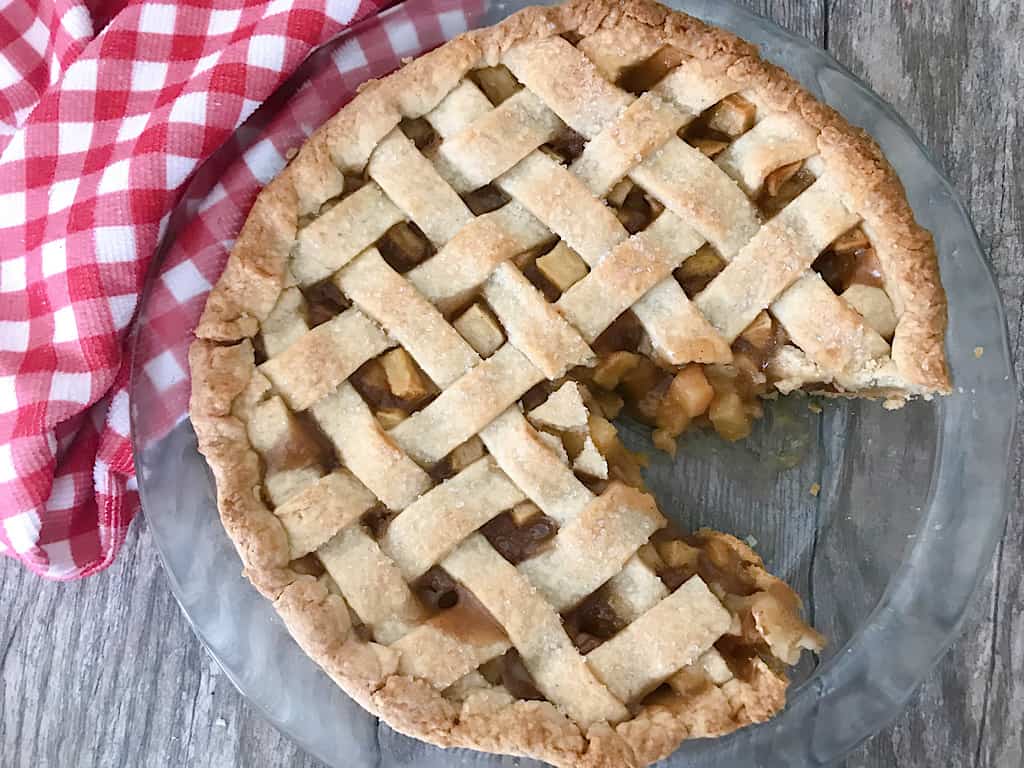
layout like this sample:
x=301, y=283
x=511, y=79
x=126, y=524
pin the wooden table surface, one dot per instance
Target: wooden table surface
x=106, y=672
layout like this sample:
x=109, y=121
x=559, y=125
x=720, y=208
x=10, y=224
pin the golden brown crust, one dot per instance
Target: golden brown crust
x=529, y=728
x=222, y=363
x=219, y=374
x=255, y=272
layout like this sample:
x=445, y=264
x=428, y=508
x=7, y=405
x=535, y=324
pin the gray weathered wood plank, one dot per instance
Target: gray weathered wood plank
x=106, y=672
x=953, y=71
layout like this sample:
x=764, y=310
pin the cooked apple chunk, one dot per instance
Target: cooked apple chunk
x=480, y=329
x=773, y=183
x=851, y=241
x=523, y=512
x=729, y=416
x=687, y=397
x=710, y=147
x=874, y=306
x=699, y=270
x=760, y=334
x=619, y=192
x=733, y=116
x=562, y=267
x=613, y=367
x=404, y=378
x=496, y=82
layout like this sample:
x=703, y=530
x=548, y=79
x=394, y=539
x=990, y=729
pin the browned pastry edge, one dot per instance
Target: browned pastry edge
x=221, y=361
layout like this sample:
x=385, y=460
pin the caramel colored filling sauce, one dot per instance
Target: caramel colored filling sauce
x=517, y=543
x=591, y=623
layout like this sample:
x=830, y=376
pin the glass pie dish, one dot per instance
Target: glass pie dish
x=861, y=510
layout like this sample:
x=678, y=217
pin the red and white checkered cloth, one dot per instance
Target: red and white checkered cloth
x=106, y=112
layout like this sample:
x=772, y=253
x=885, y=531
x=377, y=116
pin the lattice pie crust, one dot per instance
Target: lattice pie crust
x=405, y=378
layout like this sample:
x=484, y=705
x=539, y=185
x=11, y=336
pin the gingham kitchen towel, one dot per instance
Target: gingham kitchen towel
x=105, y=114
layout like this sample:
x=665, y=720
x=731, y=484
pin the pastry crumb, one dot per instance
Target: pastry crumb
x=813, y=407
x=979, y=351
x=815, y=489
x=291, y=153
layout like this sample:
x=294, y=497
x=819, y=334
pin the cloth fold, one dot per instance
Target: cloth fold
x=106, y=110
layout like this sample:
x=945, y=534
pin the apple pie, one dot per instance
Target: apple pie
x=407, y=379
